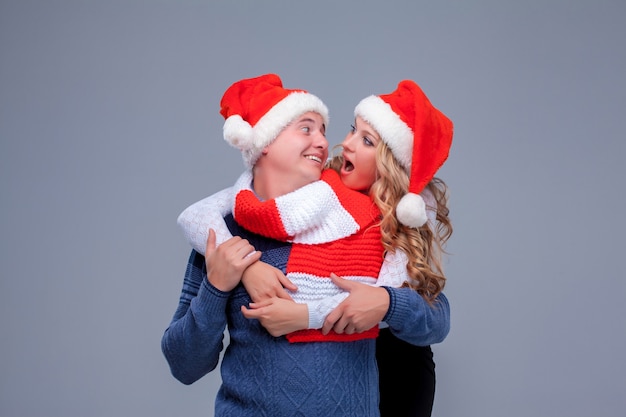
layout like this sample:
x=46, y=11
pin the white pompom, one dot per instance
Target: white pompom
x=411, y=210
x=238, y=132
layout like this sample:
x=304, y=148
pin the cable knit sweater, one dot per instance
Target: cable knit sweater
x=264, y=375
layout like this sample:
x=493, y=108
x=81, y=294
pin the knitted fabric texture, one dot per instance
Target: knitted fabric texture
x=262, y=375
x=311, y=214
x=261, y=218
x=357, y=257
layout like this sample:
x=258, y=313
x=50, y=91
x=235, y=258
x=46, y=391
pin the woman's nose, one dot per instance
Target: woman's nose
x=348, y=142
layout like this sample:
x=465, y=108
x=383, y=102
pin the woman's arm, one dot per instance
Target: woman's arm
x=320, y=209
x=393, y=274
x=283, y=316
x=407, y=314
x=360, y=312
x=260, y=280
x=413, y=320
x=209, y=212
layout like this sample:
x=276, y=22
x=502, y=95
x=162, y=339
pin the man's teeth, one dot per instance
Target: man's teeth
x=313, y=158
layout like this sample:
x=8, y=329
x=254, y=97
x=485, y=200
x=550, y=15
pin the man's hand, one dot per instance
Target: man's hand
x=263, y=281
x=278, y=316
x=225, y=264
x=364, y=308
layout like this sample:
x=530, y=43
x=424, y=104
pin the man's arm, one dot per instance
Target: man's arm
x=193, y=341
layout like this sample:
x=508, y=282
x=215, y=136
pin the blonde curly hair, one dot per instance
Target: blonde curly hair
x=424, y=247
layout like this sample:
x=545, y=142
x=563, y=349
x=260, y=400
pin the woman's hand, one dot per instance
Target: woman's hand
x=364, y=308
x=263, y=281
x=226, y=264
x=278, y=316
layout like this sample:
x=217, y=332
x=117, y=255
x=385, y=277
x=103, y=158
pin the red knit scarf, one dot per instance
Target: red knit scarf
x=360, y=254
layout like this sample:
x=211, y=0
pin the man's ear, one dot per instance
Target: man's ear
x=265, y=150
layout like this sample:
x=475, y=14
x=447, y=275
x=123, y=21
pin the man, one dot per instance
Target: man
x=281, y=134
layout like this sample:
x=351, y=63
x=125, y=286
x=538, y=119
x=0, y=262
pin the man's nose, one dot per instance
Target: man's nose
x=321, y=142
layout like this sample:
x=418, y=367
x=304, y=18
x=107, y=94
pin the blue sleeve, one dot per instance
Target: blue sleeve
x=413, y=320
x=194, y=339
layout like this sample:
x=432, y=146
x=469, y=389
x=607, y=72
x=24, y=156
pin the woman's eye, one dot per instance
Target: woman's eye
x=367, y=142
x=352, y=128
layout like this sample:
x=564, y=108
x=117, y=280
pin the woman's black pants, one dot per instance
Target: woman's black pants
x=407, y=377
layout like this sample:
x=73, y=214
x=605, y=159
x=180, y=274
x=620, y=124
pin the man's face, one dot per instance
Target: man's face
x=299, y=152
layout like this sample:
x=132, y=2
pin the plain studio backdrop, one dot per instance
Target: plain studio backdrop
x=109, y=128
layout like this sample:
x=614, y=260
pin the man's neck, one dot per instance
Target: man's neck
x=269, y=184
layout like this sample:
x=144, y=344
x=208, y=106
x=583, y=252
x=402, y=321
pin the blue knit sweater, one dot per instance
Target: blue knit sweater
x=264, y=375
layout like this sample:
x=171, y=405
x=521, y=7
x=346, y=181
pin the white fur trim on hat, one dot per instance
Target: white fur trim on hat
x=238, y=132
x=393, y=131
x=411, y=210
x=252, y=141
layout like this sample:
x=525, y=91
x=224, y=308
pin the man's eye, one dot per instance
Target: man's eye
x=306, y=129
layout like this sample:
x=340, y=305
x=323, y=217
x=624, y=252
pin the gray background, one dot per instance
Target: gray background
x=109, y=128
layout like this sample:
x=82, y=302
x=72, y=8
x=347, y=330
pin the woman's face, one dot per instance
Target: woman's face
x=359, y=156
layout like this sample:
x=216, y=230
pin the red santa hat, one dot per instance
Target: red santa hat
x=419, y=137
x=258, y=109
